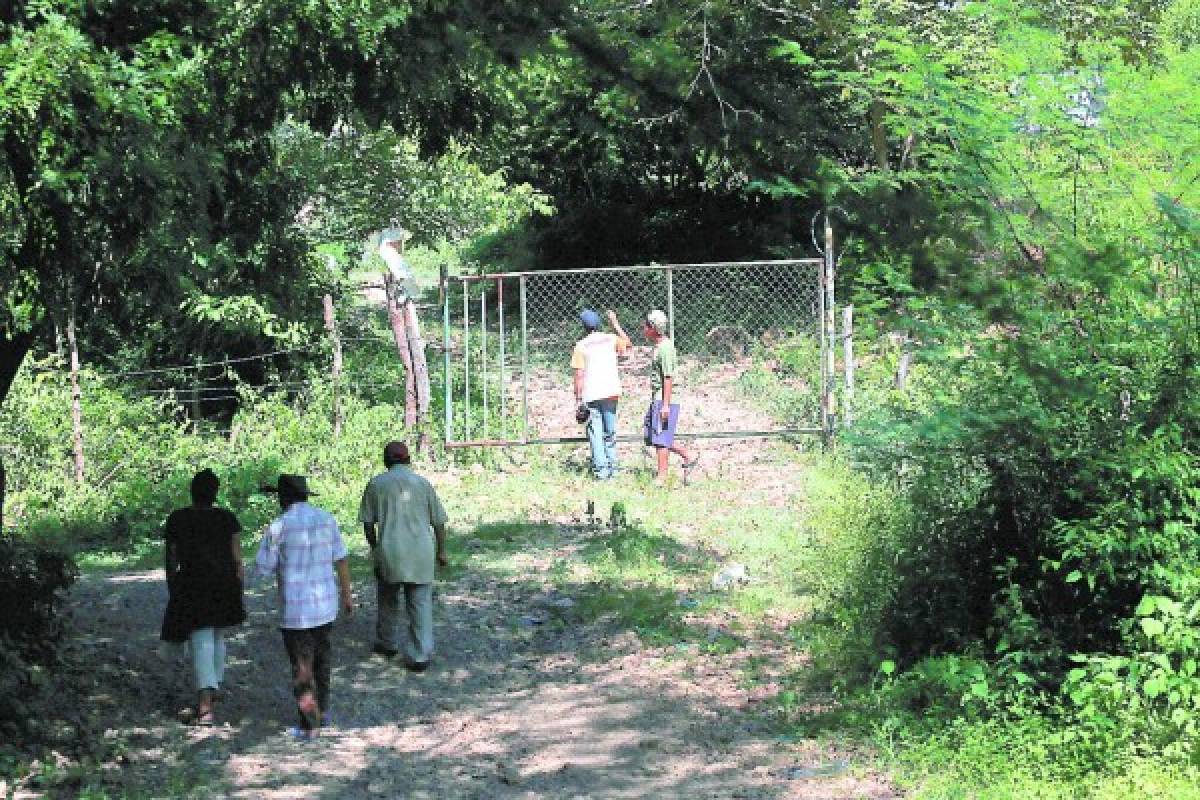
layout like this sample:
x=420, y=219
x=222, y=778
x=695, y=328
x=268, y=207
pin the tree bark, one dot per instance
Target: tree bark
x=76, y=398
x=336, y=368
x=13, y=348
x=420, y=369
x=396, y=318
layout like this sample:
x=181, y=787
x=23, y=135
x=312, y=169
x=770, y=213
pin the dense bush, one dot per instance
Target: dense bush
x=33, y=576
x=1043, y=554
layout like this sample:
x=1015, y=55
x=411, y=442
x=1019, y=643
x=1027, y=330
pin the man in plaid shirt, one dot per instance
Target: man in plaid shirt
x=303, y=549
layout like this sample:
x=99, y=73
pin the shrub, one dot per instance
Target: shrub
x=32, y=574
x=32, y=577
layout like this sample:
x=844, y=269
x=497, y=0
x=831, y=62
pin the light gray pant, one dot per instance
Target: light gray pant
x=418, y=606
x=208, y=657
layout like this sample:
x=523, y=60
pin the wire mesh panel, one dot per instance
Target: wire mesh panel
x=748, y=335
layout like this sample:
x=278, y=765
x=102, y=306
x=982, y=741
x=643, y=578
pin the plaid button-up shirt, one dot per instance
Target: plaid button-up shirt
x=300, y=547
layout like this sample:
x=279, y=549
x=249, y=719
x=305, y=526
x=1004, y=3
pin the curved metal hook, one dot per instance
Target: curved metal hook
x=813, y=228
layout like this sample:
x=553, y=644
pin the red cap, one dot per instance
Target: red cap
x=396, y=453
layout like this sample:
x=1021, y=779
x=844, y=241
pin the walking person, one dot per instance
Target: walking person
x=405, y=526
x=203, y=559
x=598, y=387
x=662, y=417
x=303, y=549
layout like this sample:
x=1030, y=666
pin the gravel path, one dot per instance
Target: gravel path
x=526, y=699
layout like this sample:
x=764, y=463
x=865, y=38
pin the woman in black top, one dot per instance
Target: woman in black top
x=204, y=584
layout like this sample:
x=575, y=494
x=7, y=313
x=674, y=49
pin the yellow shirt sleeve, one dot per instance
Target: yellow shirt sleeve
x=577, y=360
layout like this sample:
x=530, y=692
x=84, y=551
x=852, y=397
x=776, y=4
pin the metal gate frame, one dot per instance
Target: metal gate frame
x=824, y=268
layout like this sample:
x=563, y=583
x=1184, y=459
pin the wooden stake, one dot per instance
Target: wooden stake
x=901, y=380
x=420, y=369
x=396, y=318
x=830, y=332
x=76, y=397
x=336, y=368
x=848, y=364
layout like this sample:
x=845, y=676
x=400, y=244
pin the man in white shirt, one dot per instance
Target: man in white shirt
x=598, y=386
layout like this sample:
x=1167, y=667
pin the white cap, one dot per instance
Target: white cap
x=657, y=320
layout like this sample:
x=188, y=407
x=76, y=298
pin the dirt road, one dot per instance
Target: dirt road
x=527, y=699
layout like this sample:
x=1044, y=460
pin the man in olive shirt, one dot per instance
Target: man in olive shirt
x=405, y=526
x=663, y=415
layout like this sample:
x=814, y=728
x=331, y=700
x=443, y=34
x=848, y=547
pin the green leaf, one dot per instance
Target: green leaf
x=1147, y=606
x=794, y=53
x=1152, y=627
x=887, y=667
x=1074, y=576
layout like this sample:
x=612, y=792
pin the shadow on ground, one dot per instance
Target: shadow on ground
x=543, y=686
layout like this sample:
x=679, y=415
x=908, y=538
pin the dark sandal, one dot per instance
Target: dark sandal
x=689, y=467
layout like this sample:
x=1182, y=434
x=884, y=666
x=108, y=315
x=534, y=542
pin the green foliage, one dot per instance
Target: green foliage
x=359, y=181
x=847, y=566
x=142, y=174
x=1180, y=24
x=1008, y=759
x=1039, y=561
x=33, y=576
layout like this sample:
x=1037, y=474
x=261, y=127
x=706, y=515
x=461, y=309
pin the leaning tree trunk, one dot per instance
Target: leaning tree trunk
x=420, y=370
x=13, y=348
x=396, y=318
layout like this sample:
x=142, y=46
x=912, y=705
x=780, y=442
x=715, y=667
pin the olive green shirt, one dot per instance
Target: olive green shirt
x=662, y=365
x=405, y=509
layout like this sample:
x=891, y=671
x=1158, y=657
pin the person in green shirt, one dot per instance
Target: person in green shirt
x=663, y=415
x=405, y=526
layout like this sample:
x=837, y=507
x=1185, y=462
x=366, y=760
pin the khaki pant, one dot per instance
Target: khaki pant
x=417, y=643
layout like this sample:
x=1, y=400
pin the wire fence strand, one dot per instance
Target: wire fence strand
x=505, y=367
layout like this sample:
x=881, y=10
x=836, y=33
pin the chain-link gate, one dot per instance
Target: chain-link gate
x=508, y=340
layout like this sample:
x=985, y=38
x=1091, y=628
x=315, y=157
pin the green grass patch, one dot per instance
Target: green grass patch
x=1024, y=758
x=511, y=536
x=653, y=613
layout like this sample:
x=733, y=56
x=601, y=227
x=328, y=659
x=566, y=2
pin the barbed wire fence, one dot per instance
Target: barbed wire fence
x=207, y=408
x=505, y=348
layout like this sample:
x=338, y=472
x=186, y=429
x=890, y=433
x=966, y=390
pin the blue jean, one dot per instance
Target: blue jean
x=602, y=436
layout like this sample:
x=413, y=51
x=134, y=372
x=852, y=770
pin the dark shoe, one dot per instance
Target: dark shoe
x=386, y=652
x=416, y=666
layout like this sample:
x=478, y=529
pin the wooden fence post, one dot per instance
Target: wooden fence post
x=848, y=364
x=829, y=328
x=420, y=369
x=76, y=396
x=336, y=369
x=396, y=318
x=901, y=381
